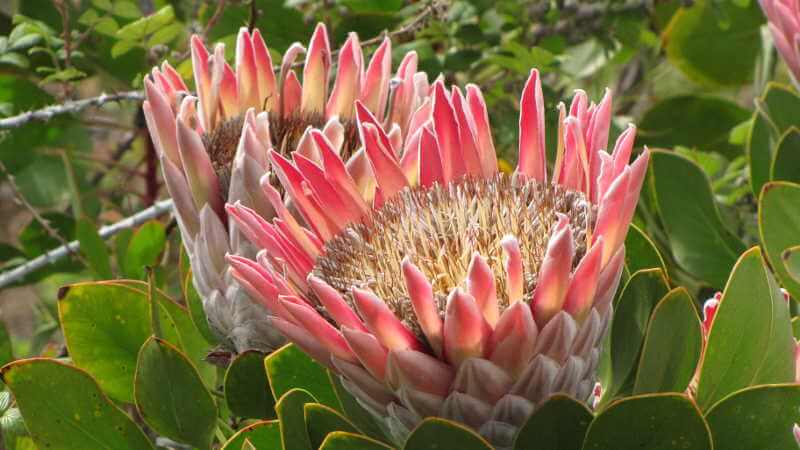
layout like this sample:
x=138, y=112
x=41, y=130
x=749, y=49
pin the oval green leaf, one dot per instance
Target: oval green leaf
x=247, y=391
x=291, y=416
x=697, y=235
x=640, y=251
x=559, y=424
x=93, y=247
x=764, y=354
x=106, y=323
x=195, y=306
x=171, y=397
x=759, y=150
x=263, y=435
x=188, y=338
x=652, y=422
x=340, y=440
x=756, y=418
x=779, y=225
x=144, y=249
x=322, y=420
x=435, y=433
x=683, y=120
x=289, y=368
x=65, y=409
x=775, y=113
x=786, y=163
x=104, y=327
x=713, y=53
x=632, y=315
x=672, y=346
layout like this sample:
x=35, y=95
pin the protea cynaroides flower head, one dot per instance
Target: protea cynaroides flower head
x=447, y=288
x=214, y=144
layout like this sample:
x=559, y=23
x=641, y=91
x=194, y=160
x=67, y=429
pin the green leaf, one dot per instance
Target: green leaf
x=165, y=35
x=137, y=30
x=671, y=347
x=144, y=249
x=182, y=331
x=372, y=6
x=195, y=305
x=732, y=359
x=105, y=5
x=652, y=422
x=631, y=318
x=122, y=47
x=93, y=247
x=321, y=420
x=65, y=409
x=775, y=114
x=15, y=59
x=791, y=261
x=559, y=424
x=779, y=226
x=291, y=417
x=684, y=120
x=126, y=9
x=104, y=327
x=356, y=413
x=779, y=105
x=247, y=391
x=340, y=440
x=289, y=368
x=753, y=417
x=171, y=397
x=434, y=432
x=641, y=252
x=714, y=53
x=786, y=163
x=697, y=235
x=68, y=74
x=265, y=434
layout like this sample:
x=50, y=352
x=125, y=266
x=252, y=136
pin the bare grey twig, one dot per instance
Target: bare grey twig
x=56, y=254
x=69, y=107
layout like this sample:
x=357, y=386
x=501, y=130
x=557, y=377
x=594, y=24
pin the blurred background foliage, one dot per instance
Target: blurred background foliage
x=695, y=76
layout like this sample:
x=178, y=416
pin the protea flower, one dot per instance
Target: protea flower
x=214, y=146
x=784, y=23
x=447, y=288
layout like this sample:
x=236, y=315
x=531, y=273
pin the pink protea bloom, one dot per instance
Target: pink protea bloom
x=441, y=287
x=214, y=144
x=784, y=23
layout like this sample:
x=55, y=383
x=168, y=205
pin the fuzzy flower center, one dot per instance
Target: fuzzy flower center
x=441, y=227
x=285, y=133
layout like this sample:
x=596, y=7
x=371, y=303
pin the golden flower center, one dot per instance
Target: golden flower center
x=285, y=133
x=441, y=227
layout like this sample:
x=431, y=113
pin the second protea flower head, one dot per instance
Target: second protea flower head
x=437, y=286
x=214, y=144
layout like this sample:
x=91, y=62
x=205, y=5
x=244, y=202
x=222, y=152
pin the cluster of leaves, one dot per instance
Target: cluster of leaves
x=134, y=372
x=130, y=345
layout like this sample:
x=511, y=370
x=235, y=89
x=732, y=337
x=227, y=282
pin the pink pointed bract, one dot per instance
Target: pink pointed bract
x=215, y=146
x=440, y=286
